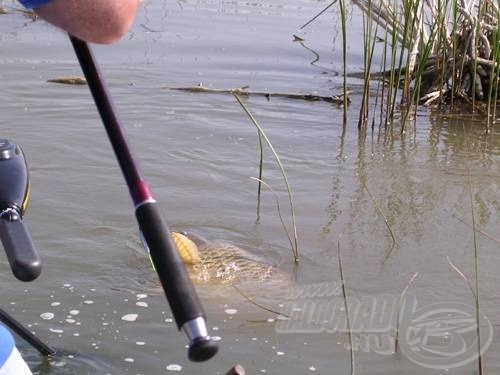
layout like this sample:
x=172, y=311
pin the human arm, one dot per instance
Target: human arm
x=95, y=21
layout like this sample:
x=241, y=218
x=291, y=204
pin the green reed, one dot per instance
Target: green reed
x=344, y=57
x=435, y=52
x=295, y=247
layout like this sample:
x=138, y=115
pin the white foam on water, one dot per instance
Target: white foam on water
x=56, y=330
x=130, y=317
x=74, y=312
x=140, y=343
x=141, y=296
x=230, y=311
x=47, y=316
x=141, y=304
x=55, y=304
x=129, y=359
x=174, y=367
x=88, y=302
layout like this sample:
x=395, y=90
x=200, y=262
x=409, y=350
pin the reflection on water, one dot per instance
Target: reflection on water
x=198, y=152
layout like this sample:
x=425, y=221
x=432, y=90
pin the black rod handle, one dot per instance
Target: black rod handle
x=21, y=253
x=179, y=290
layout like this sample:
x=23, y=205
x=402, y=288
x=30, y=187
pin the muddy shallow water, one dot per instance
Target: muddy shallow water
x=198, y=151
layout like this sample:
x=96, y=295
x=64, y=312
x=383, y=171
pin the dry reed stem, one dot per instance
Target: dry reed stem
x=398, y=321
x=346, y=305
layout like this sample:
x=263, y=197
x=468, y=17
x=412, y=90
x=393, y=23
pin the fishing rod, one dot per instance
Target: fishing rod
x=179, y=290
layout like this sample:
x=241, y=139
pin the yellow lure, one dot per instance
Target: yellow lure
x=187, y=249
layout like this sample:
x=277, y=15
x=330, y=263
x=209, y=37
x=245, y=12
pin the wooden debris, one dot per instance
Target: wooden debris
x=243, y=91
x=71, y=80
x=236, y=370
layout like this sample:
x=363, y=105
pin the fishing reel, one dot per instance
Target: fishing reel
x=14, y=196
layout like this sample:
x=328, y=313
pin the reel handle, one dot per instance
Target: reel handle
x=21, y=253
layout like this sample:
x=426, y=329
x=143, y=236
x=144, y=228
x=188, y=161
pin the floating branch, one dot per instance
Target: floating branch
x=72, y=80
x=243, y=91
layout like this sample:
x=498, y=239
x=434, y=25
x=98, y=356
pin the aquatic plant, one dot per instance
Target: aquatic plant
x=346, y=306
x=437, y=52
x=262, y=135
x=399, y=317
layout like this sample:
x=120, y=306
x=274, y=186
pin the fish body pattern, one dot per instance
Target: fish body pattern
x=223, y=263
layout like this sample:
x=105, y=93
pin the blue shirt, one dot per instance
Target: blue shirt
x=6, y=345
x=30, y=4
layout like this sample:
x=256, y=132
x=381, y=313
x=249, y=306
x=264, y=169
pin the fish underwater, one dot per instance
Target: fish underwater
x=222, y=263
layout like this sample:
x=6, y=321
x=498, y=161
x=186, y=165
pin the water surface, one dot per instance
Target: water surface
x=198, y=151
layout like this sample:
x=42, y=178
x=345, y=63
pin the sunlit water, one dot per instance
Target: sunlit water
x=98, y=297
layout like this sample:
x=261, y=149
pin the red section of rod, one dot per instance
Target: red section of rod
x=143, y=193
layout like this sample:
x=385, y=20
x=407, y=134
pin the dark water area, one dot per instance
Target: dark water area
x=97, y=295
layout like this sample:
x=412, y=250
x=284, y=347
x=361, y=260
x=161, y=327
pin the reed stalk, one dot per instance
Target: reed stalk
x=398, y=320
x=344, y=58
x=261, y=168
x=346, y=305
x=295, y=247
x=441, y=51
x=476, y=275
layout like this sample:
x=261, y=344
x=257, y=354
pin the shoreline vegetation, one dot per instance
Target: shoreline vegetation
x=444, y=53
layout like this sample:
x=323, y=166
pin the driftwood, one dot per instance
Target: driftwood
x=72, y=80
x=243, y=91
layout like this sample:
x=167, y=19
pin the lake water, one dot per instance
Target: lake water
x=199, y=152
